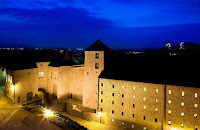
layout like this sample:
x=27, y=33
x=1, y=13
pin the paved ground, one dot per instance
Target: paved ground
x=13, y=117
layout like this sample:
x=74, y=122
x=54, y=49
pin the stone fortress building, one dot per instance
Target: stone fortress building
x=132, y=94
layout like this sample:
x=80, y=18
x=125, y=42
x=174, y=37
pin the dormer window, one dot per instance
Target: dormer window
x=97, y=55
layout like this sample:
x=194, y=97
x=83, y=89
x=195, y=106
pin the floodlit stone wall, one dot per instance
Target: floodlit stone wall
x=131, y=104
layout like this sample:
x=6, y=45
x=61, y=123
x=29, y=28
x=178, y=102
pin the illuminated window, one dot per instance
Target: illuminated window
x=112, y=102
x=144, y=107
x=97, y=55
x=96, y=65
x=195, y=105
x=122, y=123
x=133, y=105
x=122, y=113
x=101, y=100
x=144, y=128
x=195, y=115
x=113, y=94
x=182, y=103
x=182, y=93
x=113, y=120
x=195, y=95
x=144, y=99
x=182, y=113
x=123, y=87
x=182, y=125
x=156, y=90
x=113, y=86
x=156, y=109
x=144, y=118
x=169, y=122
x=156, y=120
x=133, y=126
x=133, y=96
x=133, y=115
x=145, y=89
x=122, y=95
x=156, y=100
x=133, y=88
x=169, y=111
x=113, y=111
x=169, y=101
x=169, y=92
x=41, y=74
x=11, y=79
x=101, y=92
x=8, y=78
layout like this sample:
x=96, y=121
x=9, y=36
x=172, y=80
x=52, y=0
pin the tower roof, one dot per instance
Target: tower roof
x=97, y=46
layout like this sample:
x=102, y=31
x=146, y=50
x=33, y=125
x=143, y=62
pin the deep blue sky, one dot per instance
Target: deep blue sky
x=118, y=23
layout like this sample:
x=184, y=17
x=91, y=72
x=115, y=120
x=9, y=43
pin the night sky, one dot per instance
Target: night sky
x=117, y=23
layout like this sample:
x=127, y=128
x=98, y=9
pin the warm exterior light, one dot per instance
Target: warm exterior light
x=99, y=114
x=13, y=88
x=48, y=113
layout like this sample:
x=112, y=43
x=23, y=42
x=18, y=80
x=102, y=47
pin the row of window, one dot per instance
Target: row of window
x=156, y=91
x=182, y=103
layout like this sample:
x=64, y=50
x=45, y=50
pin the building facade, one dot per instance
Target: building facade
x=118, y=102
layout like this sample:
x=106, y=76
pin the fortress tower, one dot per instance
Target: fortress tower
x=94, y=65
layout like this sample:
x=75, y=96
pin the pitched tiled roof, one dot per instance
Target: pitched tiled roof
x=98, y=46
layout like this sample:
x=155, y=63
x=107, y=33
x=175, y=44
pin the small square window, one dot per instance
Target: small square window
x=182, y=113
x=156, y=109
x=156, y=90
x=122, y=113
x=112, y=102
x=133, y=105
x=144, y=107
x=113, y=86
x=195, y=105
x=169, y=102
x=144, y=118
x=195, y=115
x=122, y=103
x=182, y=125
x=144, y=128
x=133, y=126
x=101, y=92
x=182, y=104
x=169, y=122
x=195, y=95
x=169, y=111
x=101, y=109
x=145, y=89
x=122, y=123
x=156, y=120
x=134, y=88
x=144, y=98
x=113, y=120
x=122, y=95
x=133, y=115
x=96, y=65
x=133, y=96
x=169, y=92
x=113, y=94
x=101, y=84
x=156, y=100
x=113, y=111
x=101, y=100
x=97, y=55
x=122, y=86
x=182, y=93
